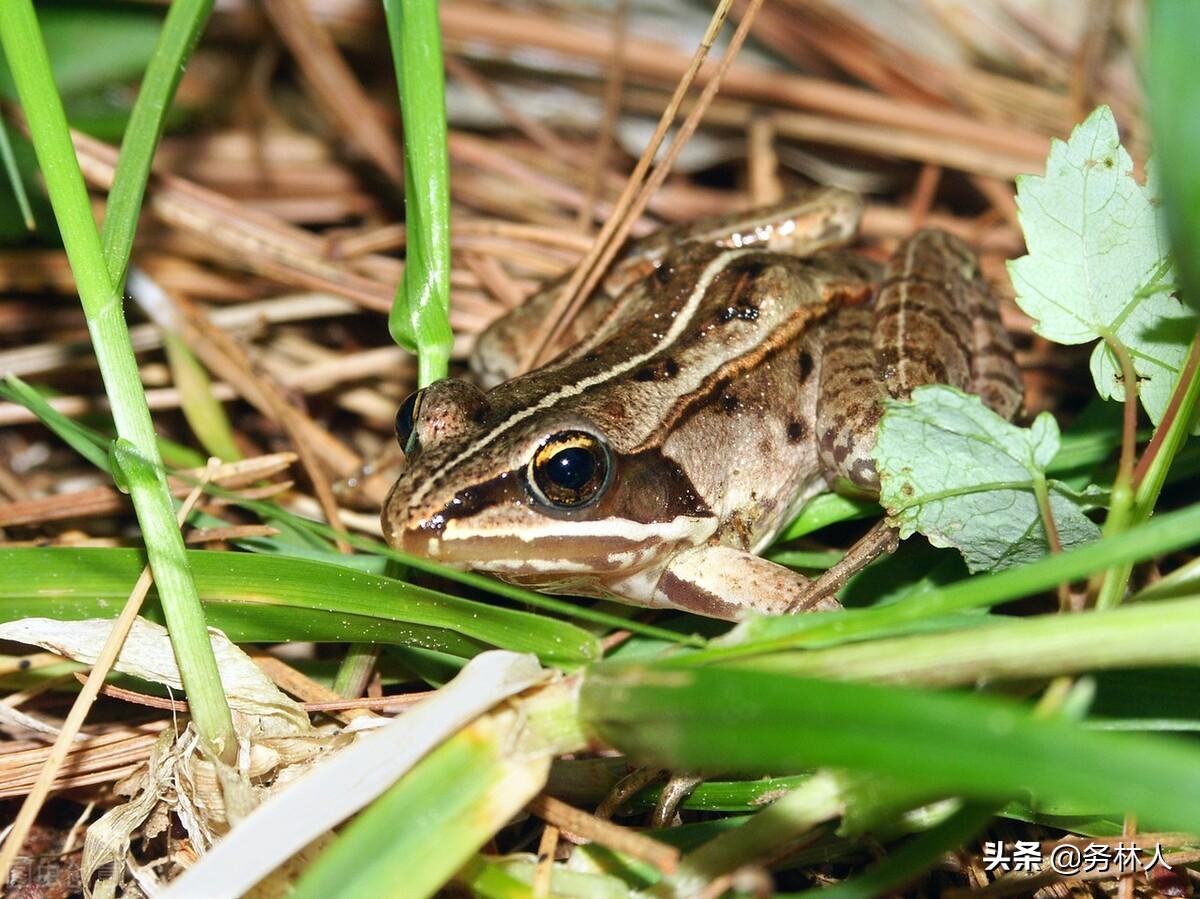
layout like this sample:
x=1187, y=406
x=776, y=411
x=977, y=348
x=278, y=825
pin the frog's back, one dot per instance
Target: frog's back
x=706, y=367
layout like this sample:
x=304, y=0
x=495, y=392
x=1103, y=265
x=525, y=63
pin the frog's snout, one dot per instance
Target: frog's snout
x=407, y=528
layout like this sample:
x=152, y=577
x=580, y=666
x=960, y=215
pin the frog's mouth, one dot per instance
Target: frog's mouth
x=534, y=547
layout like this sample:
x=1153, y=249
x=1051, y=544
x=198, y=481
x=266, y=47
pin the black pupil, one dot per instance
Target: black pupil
x=404, y=419
x=571, y=468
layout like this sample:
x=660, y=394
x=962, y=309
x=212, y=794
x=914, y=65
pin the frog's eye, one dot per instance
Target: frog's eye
x=569, y=470
x=406, y=420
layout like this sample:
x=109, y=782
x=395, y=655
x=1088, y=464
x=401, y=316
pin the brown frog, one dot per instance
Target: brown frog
x=723, y=375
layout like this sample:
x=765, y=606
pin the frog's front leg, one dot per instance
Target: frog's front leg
x=723, y=582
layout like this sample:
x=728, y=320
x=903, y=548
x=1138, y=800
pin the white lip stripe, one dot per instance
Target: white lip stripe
x=676, y=529
x=681, y=322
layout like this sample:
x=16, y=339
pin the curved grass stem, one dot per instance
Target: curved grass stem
x=419, y=320
x=1109, y=587
x=26, y=53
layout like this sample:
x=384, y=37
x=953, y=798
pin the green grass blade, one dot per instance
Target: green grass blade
x=173, y=581
x=511, y=878
x=1152, y=634
x=420, y=833
x=30, y=66
x=826, y=509
x=262, y=583
x=420, y=320
x=204, y=413
x=13, y=173
x=585, y=782
x=181, y=29
x=973, y=746
x=1174, y=98
x=1162, y=534
x=84, y=441
x=903, y=864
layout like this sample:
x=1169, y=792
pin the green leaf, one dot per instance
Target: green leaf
x=958, y=473
x=1098, y=264
x=249, y=591
x=180, y=31
x=91, y=47
x=951, y=744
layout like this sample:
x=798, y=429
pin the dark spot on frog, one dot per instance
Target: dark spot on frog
x=806, y=365
x=24, y=665
x=663, y=370
x=662, y=273
x=796, y=431
x=730, y=402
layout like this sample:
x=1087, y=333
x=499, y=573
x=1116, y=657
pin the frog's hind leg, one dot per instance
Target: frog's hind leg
x=933, y=322
x=936, y=322
x=995, y=375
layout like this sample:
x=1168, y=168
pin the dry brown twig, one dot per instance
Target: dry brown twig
x=335, y=86
x=637, y=193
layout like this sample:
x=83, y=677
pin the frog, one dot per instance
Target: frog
x=722, y=375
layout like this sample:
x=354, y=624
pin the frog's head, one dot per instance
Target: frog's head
x=532, y=492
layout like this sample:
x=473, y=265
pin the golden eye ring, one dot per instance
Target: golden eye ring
x=569, y=470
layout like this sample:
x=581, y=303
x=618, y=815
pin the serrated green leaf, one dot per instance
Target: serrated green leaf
x=1098, y=264
x=958, y=473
